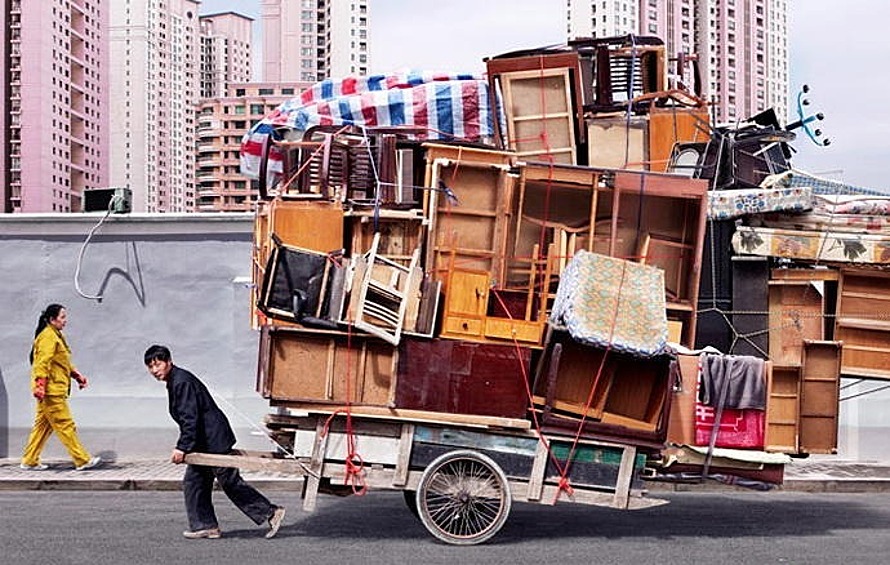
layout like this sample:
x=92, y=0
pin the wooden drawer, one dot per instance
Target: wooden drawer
x=521, y=330
x=462, y=326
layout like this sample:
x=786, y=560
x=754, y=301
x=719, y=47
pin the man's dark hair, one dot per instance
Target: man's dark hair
x=157, y=353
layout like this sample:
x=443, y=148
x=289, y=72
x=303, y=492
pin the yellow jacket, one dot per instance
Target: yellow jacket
x=52, y=361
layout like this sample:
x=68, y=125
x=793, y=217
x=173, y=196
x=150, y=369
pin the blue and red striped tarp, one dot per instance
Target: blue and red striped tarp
x=446, y=106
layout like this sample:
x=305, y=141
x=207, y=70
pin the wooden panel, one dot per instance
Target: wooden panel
x=782, y=409
x=317, y=226
x=795, y=313
x=863, y=323
x=681, y=424
x=306, y=367
x=462, y=378
x=611, y=144
x=820, y=390
x=668, y=126
x=538, y=102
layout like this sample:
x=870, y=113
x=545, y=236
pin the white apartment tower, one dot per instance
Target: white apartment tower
x=589, y=18
x=741, y=44
x=225, y=52
x=155, y=65
x=311, y=40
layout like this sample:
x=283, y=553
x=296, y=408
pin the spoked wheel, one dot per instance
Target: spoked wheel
x=463, y=498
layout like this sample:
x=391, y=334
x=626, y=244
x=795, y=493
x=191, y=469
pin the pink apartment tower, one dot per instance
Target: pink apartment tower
x=54, y=133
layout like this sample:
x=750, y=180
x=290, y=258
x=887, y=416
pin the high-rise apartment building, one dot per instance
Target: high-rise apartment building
x=53, y=138
x=311, y=40
x=225, y=51
x=222, y=123
x=155, y=65
x=741, y=44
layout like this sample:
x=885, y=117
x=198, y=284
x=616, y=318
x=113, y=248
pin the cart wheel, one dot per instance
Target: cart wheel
x=411, y=502
x=463, y=498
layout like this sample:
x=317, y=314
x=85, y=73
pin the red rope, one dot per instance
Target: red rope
x=568, y=465
x=354, y=464
x=563, y=484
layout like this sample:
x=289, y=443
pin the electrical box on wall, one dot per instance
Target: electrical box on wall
x=118, y=199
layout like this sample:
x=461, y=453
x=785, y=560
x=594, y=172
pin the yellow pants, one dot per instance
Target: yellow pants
x=53, y=415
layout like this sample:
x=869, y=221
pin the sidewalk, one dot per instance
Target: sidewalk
x=822, y=474
x=129, y=474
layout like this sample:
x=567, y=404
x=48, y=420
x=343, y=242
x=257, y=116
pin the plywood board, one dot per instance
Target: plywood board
x=613, y=143
x=796, y=311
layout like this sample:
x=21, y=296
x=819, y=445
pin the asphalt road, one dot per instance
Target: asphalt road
x=133, y=528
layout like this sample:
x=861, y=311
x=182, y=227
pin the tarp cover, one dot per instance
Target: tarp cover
x=446, y=106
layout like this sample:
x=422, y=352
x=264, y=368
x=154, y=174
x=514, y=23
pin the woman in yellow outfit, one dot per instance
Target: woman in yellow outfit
x=51, y=374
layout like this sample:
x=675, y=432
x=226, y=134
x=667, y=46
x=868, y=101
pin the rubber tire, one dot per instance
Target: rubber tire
x=463, y=498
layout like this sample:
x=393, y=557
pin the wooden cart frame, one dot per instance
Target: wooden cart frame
x=460, y=480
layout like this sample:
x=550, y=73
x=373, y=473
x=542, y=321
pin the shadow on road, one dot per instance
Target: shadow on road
x=688, y=515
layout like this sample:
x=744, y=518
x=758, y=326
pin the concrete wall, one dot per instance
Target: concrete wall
x=176, y=280
x=181, y=280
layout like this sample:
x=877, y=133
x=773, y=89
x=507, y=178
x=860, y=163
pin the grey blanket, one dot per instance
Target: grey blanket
x=742, y=375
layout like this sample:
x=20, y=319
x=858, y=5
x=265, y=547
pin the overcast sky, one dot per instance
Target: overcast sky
x=842, y=53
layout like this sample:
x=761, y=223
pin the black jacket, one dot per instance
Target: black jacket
x=202, y=425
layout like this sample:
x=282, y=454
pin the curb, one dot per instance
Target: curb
x=123, y=484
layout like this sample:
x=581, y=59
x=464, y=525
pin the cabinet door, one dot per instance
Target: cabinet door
x=468, y=293
x=819, y=392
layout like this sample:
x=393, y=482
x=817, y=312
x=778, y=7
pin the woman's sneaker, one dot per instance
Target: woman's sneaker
x=92, y=463
x=37, y=467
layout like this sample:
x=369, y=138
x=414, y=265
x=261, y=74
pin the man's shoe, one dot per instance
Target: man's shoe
x=94, y=462
x=37, y=467
x=209, y=533
x=275, y=521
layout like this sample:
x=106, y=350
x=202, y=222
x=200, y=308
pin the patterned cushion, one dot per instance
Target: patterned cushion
x=606, y=301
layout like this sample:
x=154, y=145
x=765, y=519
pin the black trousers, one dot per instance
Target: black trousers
x=197, y=486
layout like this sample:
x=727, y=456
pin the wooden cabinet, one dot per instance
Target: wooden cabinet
x=619, y=395
x=466, y=302
x=466, y=209
x=783, y=409
x=802, y=406
x=863, y=323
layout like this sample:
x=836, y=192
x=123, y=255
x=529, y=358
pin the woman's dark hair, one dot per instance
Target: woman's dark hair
x=49, y=313
x=52, y=311
x=157, y=353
